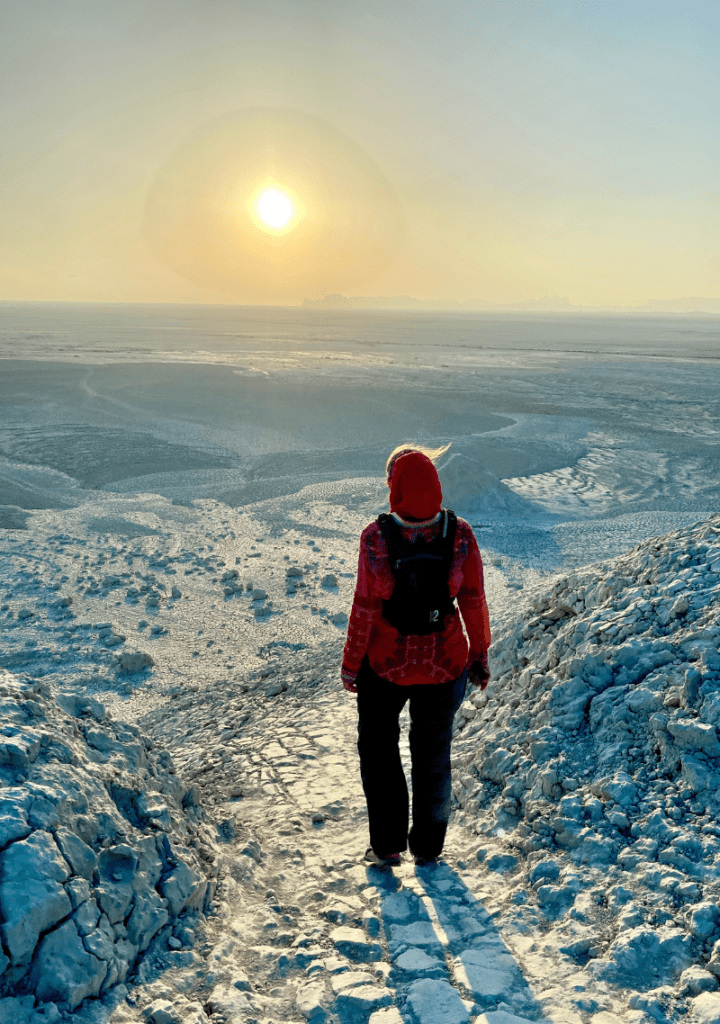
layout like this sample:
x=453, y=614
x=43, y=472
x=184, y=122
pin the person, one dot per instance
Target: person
x=387, y=666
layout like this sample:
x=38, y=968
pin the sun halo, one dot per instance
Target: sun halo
x=203, y=218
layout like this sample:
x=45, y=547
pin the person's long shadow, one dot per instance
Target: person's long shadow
x=446, y=949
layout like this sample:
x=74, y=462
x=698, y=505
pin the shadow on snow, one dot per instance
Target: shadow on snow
x=447, y=956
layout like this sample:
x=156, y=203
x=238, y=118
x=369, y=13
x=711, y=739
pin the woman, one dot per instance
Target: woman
x=387, y=666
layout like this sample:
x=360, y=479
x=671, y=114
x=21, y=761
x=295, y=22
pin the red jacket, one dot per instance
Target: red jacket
x=407, y=660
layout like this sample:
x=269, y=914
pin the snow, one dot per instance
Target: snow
x=178, y=536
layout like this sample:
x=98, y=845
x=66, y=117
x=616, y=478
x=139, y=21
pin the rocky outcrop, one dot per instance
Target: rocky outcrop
x=95, y=854
x=595, y=752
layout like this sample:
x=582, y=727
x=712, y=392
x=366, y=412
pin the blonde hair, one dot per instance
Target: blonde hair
x=434, y=454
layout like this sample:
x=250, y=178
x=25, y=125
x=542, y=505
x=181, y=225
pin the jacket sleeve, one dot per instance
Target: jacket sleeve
x=366, y=610
x=472, y=603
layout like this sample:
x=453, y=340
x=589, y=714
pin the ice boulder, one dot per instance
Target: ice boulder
x=692, y=735
x=646, y=957
x=695, y=980
x=65, y=970
x=619, y=788
x=704, y=920
x=32, y=898
x=86, y=879
x=706, y=1008
x=134, y=661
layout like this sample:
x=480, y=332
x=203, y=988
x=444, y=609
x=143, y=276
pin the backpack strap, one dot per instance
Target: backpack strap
x=448, y=533
x=391, y=535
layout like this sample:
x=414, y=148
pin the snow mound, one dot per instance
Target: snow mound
x=95, y=854
x=594, y=756
x=13, y=518
x=467, y=487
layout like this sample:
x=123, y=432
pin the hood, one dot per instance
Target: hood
x=415, y=491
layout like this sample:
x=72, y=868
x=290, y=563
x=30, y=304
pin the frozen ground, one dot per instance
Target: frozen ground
x=204, y=509
x=605, y=429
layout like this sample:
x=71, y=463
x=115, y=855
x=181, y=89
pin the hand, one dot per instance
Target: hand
x=479, y=672
x=349, y=680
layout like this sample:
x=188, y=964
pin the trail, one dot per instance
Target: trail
x=303, y=928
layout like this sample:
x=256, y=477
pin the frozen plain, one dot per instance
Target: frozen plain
x=236, y=458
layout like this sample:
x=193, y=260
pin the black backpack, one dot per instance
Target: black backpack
x=421, y=598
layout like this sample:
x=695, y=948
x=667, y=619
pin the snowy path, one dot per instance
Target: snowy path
x=304, y=929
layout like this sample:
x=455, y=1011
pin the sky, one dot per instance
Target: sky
x=466, y=150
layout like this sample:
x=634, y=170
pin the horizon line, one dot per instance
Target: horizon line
x=361, y=303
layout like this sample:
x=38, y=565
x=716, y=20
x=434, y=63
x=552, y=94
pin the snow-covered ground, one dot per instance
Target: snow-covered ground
x=192, y=509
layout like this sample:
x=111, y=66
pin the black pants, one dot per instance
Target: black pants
x=432, y=710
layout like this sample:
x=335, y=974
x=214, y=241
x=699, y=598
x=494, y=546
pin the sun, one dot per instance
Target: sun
x=275, y=208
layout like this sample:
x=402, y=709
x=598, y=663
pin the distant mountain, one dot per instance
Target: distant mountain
x=548, y=304
x=690, y=305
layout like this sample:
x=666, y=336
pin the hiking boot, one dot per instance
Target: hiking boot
x=425, y=862
x=392, y=860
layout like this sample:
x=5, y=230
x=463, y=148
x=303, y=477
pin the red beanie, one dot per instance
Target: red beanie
x=415, y=491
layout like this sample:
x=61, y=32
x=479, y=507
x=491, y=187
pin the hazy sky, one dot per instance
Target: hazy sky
x=451, y=149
